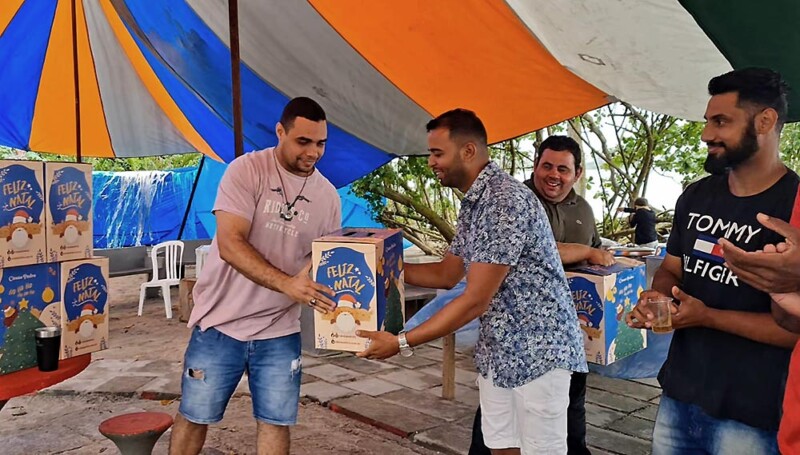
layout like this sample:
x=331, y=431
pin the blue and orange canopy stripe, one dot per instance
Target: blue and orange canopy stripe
x=154, y=77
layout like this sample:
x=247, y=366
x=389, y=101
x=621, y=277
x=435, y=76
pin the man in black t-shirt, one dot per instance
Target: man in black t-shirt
x=643, y=219
x=724, y=377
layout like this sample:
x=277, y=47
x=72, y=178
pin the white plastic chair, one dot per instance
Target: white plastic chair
x=173, y=262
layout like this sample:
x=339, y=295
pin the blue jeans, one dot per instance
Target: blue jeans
x=683, y=428
x=213, y=366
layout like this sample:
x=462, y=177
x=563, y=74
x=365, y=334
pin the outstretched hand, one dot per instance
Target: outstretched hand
x=381, y=345
x=776, y=268
x=305, y=291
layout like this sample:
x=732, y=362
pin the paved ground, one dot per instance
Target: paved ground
x=344, y=399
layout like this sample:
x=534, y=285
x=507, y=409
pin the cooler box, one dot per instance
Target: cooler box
x=602, y=297
x=365, y=268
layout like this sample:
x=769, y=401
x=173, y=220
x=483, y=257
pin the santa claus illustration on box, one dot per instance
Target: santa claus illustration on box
x=86, y=323
x=71, y=232
x=18, y=234
x=348, y=314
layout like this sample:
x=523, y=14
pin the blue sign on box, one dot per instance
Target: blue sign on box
x=364, y=267
x=602, y=297
x=69, y=203
x=85, y=303
x=22, y=215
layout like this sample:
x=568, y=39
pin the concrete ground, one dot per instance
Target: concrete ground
x=349, y=405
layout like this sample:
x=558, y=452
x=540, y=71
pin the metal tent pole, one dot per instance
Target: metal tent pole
x=76, y=79
x=191, y=197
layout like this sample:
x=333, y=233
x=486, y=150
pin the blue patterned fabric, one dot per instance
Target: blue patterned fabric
x=530, y=327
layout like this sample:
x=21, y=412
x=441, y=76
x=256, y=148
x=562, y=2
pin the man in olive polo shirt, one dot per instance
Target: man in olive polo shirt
x=557, y=168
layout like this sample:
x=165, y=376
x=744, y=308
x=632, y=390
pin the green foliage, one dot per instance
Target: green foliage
x=625, y=142
x=148, y=163
x=682, y=152
x=405, y=193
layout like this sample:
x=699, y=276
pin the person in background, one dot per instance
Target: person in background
x=643, y=219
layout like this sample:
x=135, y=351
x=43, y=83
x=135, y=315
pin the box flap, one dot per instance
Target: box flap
x=359, y=235
x=600, y=270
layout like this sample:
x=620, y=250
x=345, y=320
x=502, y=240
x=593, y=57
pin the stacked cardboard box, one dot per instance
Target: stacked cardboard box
x=364, y=267
x=47, y=274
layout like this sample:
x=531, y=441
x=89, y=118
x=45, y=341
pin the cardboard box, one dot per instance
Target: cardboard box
x=69, y=214
x=30, y=297
x=22, y=213
x=365, y=269
x=602, y=297
x=84, y=317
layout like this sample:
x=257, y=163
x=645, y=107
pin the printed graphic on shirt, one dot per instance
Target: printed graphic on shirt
x=737, y=233
x=706, y=260
x=286, y=220
x=346, y=271
x=707, y=247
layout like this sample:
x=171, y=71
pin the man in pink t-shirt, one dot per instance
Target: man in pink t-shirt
x=270, y=205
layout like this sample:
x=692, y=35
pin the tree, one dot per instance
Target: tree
x=19, y=350
x=627, y=144
x=147, y=163
x=406, y=194
x=688, y=160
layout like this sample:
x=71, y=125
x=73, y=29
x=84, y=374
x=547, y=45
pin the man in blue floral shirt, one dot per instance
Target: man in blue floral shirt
x=529, y=342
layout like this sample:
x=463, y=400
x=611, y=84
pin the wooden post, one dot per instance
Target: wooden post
x=236, y=84
x=449, y=367
x=185, y=301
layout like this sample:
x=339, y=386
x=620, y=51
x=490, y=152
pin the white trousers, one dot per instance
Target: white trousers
x=532, y=417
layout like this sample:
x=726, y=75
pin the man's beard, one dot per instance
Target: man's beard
x=733, y=156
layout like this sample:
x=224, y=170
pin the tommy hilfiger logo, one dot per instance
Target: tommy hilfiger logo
x=707, y=247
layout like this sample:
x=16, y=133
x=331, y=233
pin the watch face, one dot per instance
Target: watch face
x=408, y=352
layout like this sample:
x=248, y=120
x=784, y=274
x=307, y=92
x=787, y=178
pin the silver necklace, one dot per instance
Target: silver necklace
x=287, y=211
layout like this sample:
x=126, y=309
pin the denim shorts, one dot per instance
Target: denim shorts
x=683, y=428
x=214, y=364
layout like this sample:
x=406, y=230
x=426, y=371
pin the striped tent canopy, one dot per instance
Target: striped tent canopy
x=154, y=76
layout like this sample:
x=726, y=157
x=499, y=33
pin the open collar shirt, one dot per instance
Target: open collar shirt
x=530, y=327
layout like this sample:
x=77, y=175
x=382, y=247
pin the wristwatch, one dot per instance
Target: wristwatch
x=405, y=349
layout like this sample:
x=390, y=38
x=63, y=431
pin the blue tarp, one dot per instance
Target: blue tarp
x=189, y=60
x=142, y=207
x=147, y=207
x=643, y=364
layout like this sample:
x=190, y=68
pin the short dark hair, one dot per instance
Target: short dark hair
x=301, y=107
x=640, y=201
x=460, y=123
x=560, y=144
x=759, y=87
